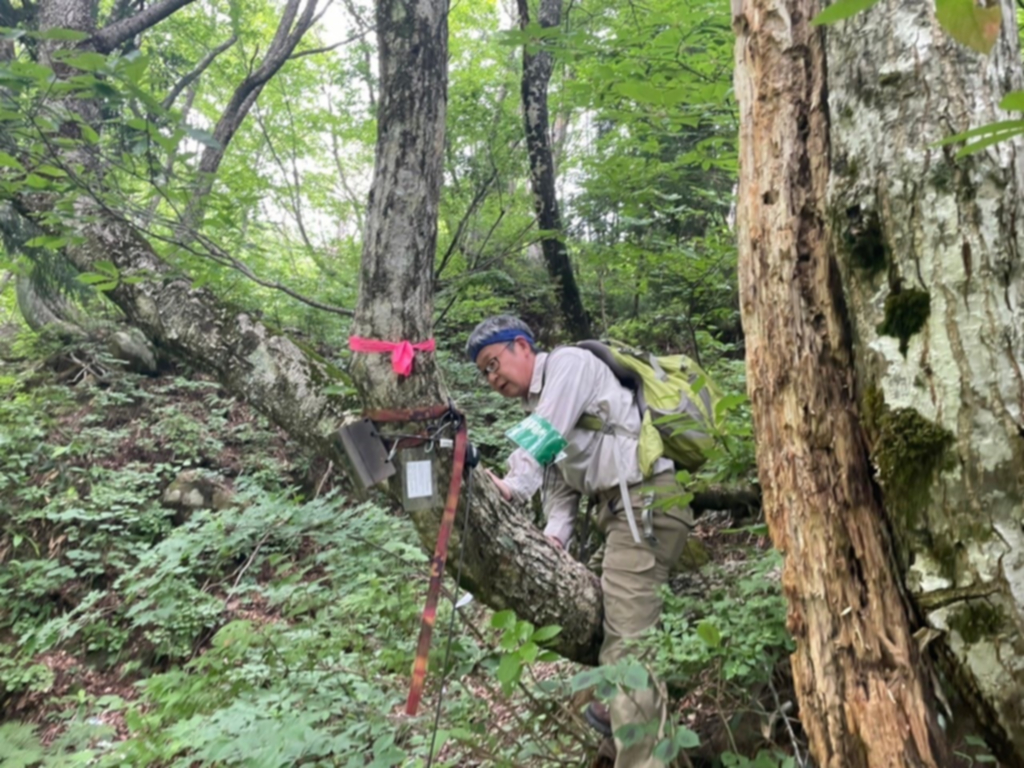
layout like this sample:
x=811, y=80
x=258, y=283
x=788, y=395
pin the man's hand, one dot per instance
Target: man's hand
x=503, y=489
x=558, y=544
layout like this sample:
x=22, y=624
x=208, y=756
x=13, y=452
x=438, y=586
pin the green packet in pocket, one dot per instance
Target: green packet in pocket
x=537, y=437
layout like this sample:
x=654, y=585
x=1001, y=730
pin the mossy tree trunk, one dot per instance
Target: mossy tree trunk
x=881, y=283
x=864, y=696
x=930, y=252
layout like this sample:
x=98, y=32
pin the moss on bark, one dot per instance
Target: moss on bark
x=909, y=451
x=905, y=314
x=977, y=620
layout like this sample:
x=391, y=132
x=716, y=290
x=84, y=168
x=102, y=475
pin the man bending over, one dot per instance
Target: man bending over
x=558, y=390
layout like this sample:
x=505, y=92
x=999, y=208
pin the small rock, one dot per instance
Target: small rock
x=192, y=490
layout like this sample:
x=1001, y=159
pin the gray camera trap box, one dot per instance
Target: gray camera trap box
x=366, y=454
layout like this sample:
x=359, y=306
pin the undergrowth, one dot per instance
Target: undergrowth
x=279, y=629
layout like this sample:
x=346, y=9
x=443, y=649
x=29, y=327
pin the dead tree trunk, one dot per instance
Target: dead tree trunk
x=863, y=692
x=929, y=248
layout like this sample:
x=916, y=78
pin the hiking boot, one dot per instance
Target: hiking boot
x=597, y=717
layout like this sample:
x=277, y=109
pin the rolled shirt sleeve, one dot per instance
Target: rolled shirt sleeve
x=560, y=505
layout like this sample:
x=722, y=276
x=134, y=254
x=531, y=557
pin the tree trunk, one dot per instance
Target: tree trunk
x=536, y=75
x=507, y=563
x=930, y=253
x=864, y=697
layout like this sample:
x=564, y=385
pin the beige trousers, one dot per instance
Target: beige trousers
x=631, y=576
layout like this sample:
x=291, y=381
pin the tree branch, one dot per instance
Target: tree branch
x=326, y=48
x=188, y=79
x=245, y=95
x=112, y=35
x=728, y=498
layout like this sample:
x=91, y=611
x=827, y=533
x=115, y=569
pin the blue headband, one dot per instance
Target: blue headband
x=509, y=334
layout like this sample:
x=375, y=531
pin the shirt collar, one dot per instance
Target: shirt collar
x=537, y=380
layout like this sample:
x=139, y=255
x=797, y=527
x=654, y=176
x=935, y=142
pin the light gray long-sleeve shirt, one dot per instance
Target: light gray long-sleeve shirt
x=566, y=384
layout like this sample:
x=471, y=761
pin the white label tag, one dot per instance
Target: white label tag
x=419, y=479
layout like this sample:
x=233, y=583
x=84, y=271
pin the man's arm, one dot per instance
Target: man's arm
x=560, y=506
x=524, y=477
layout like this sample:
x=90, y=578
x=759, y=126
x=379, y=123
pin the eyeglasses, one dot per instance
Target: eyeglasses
x=494, y=364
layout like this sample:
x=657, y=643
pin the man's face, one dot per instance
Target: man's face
x=507, y=366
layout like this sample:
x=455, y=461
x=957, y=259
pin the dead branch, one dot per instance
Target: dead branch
x=745, y=499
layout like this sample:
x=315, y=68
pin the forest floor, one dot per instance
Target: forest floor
x=259, y=617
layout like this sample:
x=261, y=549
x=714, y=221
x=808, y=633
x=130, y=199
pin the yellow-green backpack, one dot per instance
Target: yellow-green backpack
x=676, y=401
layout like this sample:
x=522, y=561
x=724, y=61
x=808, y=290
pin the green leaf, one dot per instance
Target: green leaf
x=88, y=133
x=36, y=182
x=106, y=267
x=982, y=130
x=133, y=67
x=665, y=751
x=1013, y=101
x=709, y=633
x=47, y=241
x=586, y=679
x=509, y=669
x=548, y=656
x=546, y=633
x=94, y=278
x=49, y=170
x=72, y=35
x=7, y=161
x=974, y=26
x=203, y=137
x=684, y=738
x=635, y=677
x=524, y=631
x=630, y=734
x=979, y=145
x=728, y=403
x=503, y=619
x=88, y=61
x=528, y=653
x=31, y=69
x=843, y=9
x=644, y=92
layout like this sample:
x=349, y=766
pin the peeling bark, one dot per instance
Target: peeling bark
x=864, y=697
x=942, y=389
